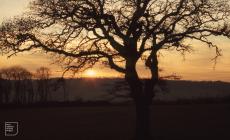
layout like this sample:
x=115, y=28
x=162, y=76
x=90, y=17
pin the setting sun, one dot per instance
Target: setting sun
x=90, y=73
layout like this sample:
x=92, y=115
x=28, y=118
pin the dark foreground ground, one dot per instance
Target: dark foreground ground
x=169, y=122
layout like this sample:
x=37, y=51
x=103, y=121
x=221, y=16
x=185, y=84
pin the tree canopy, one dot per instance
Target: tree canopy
x=81, y=33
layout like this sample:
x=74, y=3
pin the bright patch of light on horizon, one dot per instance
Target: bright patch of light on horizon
x=90, y=73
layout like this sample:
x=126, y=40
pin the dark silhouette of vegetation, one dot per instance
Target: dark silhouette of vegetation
x=19, y=80
x=117, y=33
x=5, y=87
x=19, y=86
x=61, y=83
x=43, y=83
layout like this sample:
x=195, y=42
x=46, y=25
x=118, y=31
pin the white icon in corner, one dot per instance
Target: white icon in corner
x=11, y=128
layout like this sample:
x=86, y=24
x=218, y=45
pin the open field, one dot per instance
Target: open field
x=169, y=122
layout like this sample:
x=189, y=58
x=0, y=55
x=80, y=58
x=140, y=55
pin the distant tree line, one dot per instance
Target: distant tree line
x=18, y=85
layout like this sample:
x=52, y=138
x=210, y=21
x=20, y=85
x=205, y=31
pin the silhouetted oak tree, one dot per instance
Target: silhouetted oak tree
x=118, y=33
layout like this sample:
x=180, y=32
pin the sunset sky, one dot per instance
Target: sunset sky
x=196, y=65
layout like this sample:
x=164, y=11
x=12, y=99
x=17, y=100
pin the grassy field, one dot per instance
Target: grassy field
x=169, y=122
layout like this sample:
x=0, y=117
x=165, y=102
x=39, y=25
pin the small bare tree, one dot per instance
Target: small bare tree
x=117, y=33
x=17, y=80
x=1, y=88
x=60, y=83
x=27, y=86
x=43, y=83
x=6, y=85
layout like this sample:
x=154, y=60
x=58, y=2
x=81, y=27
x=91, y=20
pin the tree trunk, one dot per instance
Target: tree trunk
x=142, y=93
x=143, y=119
x=142, y=103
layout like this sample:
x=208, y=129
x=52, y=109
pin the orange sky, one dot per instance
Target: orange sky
x=196, y=65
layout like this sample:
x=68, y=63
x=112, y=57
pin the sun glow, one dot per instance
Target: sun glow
x=90, y=73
